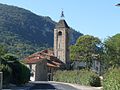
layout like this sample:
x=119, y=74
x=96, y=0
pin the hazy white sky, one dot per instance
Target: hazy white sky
x=100, y=18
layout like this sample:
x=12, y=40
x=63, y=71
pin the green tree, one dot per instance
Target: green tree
x=112, y=51
x=2, y=50
x=7, y=73
x=13, y=71
x=111, y=79
x=9, y=57
x=20, y=73
x=86, y=49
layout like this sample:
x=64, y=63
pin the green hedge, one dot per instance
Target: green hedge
x=83, y=77
x=111, y=79
x=16, y=73
x=20, y=73
x=7, y=72
x=25, y=74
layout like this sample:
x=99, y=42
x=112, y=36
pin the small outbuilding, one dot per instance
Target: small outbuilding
x=42, y=65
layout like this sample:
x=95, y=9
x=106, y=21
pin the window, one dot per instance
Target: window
x=60, y=39
x=59, y=33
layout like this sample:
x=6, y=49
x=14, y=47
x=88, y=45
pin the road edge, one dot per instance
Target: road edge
x=77, y=86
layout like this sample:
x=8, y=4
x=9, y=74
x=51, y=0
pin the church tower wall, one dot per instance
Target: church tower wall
x=61, y=41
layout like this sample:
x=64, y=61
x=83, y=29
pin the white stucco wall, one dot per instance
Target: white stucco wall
x=32, y=67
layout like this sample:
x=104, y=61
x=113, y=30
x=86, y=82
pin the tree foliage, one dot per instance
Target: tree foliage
x=112, y=51
x=19, y=72
x=9, y=57
x=13, y=71
x=86, y=49
x=2, y=50
x=111, y=79
x=7, y=73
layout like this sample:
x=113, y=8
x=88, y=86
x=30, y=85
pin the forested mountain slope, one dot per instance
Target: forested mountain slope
x=24, y=32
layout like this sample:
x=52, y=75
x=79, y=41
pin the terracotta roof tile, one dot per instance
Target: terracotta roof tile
x=51, y=65
x=52, y=61
x=32, y=61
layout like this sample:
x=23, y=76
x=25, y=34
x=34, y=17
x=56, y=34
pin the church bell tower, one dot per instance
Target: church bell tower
x=61, y=40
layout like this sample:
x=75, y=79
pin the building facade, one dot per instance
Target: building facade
x=42, y=65
x=96, y=65
x=36, y=66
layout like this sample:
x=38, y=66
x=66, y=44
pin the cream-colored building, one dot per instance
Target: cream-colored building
x=42, y=65
x=36, y=66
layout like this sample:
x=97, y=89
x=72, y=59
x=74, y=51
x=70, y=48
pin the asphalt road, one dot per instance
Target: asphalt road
x=40, y=85
x=50, y=86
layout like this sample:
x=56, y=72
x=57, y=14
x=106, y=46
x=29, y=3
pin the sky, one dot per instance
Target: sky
x=99, y=18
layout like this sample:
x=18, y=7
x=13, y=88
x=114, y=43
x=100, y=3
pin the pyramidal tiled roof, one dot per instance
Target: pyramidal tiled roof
x=62, y=24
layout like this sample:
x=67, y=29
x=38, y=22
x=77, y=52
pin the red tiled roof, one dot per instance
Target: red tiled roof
x=56, y=63
x=51, y=65
x=32, y=61
x=44, y=54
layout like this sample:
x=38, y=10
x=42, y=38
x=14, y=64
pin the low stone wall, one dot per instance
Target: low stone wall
x=1, y=79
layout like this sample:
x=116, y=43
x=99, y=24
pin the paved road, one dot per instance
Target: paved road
x=38, y=85
x=51, y=86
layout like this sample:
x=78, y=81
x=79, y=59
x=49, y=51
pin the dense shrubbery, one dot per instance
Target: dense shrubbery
x=83, y=77
x=7, y=72
x=24, y=74
x=13, y=71
x=111, y=79
x=20, y=74
x=16, y=73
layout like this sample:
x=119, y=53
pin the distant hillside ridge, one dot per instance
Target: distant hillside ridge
x=21, y=29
